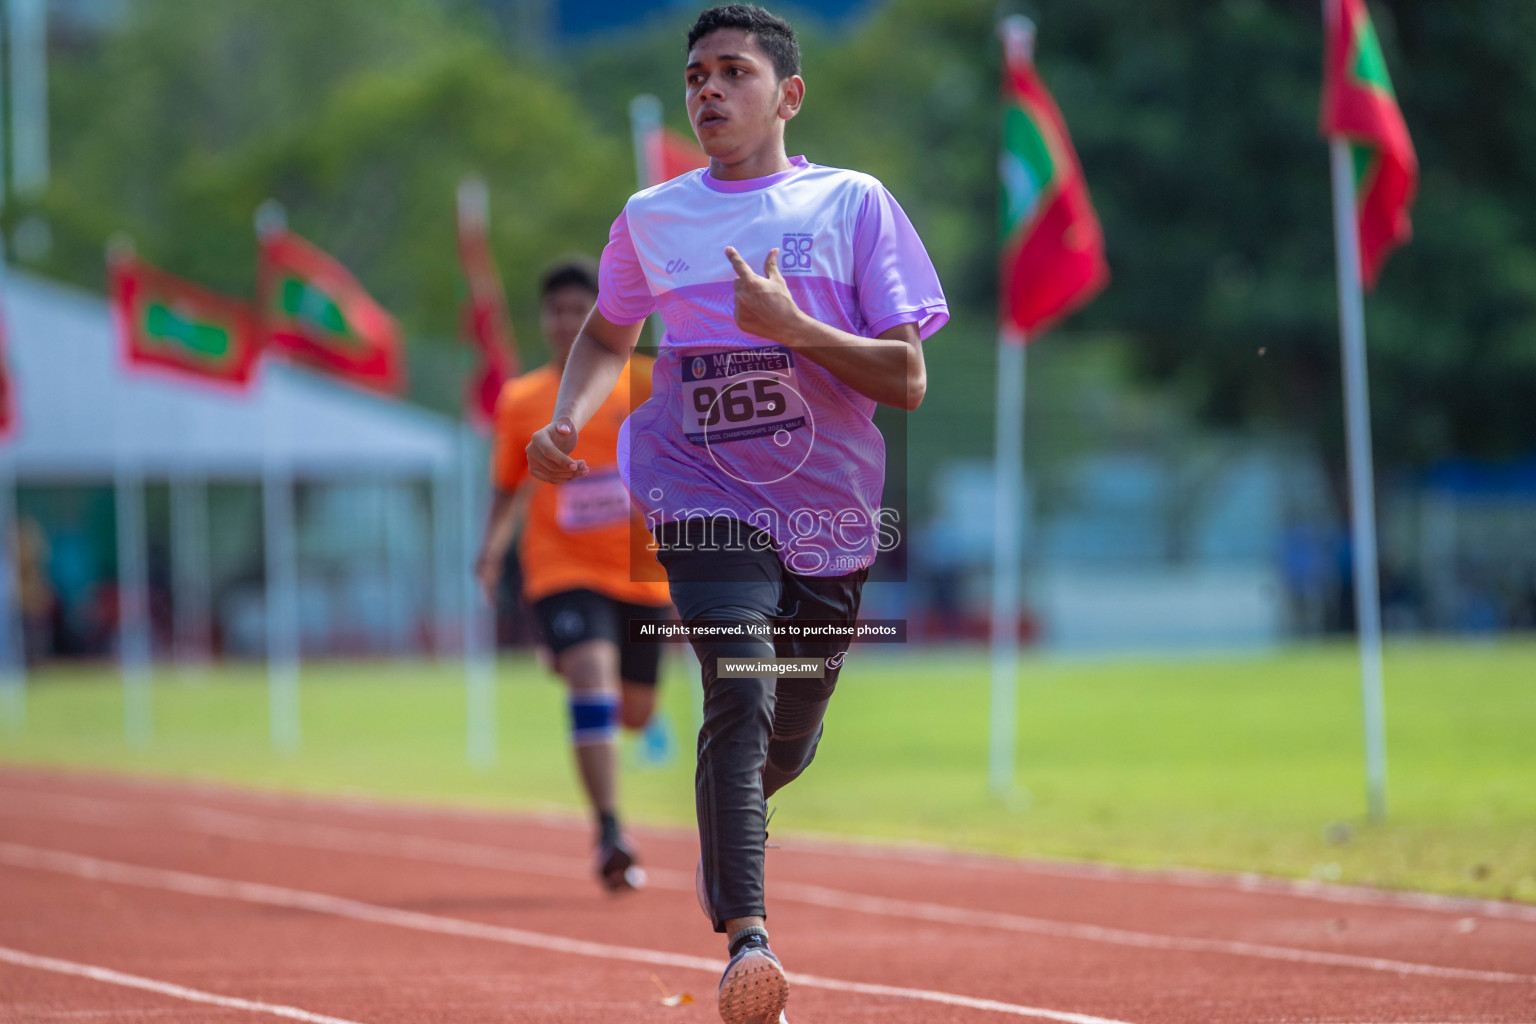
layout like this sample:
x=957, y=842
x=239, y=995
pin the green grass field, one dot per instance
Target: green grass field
x=1238, y=763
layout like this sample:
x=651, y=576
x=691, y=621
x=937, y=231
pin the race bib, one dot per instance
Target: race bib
x=740, y=395
x=592, y=502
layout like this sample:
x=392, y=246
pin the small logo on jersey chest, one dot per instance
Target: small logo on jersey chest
x=676, y=266
x=795, y=253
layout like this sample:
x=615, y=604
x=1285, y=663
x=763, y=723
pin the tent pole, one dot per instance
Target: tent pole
x=277, y=491
x=445, y=561
x=396, y=494
x=133, y=633
x=479, y=640
x=13, y=660
x=190, y=572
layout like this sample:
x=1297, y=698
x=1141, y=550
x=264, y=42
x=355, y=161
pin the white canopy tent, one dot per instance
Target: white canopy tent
x=83, y=413
x=84, y=416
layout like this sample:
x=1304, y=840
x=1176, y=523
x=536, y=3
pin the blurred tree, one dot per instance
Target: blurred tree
x=1197, y=125
x=360, y=118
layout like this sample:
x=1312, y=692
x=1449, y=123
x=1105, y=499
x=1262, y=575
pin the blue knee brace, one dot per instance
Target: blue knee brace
x=594, y=718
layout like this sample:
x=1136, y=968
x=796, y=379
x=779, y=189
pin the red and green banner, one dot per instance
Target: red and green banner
x=1053, y=248
x=487, y=327
x=1360, y=107
x=668, y=154
x=167, y=323
x=314, y=312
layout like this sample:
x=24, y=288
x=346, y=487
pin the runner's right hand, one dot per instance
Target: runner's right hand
x=488, y=571
x=549, y=454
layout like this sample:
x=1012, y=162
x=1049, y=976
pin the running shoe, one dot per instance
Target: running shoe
x=753, y=989
x=617, y=869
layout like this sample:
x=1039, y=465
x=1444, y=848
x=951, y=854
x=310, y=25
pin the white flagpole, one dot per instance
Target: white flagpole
x=1008, y=477
x=1018, y=37
x=645, y=123
x=1362, y=494
x=479, y=624
x=133, y=628
x=279, y=536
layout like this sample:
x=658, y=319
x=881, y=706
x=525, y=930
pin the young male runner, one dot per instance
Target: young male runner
x=755, y=459
x=577, y=560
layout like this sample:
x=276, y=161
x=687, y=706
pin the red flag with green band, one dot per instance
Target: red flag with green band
x=487, y=327
x=314, y=311
x=167, y=323
x=1053, y=248
x=1360, y=107
x=678, y=154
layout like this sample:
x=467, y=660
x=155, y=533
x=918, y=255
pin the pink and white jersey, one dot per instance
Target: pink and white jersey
x=737, y=425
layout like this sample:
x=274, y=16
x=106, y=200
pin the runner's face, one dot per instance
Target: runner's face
x=561, y=316
x=735, y=100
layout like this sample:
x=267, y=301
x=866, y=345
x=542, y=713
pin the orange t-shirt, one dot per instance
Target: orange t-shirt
x=583, y=534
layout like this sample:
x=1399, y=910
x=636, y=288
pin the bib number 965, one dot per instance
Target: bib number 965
x=738, y=403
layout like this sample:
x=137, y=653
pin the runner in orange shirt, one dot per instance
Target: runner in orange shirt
x=586, y=570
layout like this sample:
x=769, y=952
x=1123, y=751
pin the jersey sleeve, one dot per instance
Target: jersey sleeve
x=509, y=453
x=895, y=278
x=623, y=294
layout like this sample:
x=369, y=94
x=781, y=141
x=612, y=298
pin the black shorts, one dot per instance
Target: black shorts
x=572, y=616
x=722, y=582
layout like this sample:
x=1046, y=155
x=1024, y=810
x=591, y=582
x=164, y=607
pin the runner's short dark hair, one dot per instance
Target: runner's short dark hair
x=772, y=33
x=569, y=272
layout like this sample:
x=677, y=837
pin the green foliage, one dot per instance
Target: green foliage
x=361, y=119
x=1195, y=121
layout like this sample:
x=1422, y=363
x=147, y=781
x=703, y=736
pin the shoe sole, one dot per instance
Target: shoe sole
x=753, y=991
x=620, y=873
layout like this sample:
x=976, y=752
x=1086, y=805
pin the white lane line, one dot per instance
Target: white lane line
x=164, y=988
x=904, y=851
x=336, y=838
x=1188, y=878
x=96, y=869
x=460, y=854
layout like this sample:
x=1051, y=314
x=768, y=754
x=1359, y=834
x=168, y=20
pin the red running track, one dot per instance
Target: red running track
x=129, y=900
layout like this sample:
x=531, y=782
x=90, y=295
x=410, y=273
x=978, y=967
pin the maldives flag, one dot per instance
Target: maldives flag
x=668, y=154
x=1360, y=107
x=1053, y=248
x=487, y=327
x=167, y=323
x=314, y=311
